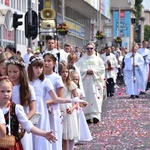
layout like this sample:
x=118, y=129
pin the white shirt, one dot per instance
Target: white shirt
x=2, y=119
x=27, y=57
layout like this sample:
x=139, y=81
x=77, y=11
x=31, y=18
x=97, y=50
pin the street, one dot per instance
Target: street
x=125, y=124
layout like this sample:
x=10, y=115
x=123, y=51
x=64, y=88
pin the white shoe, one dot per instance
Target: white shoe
x=116, y=86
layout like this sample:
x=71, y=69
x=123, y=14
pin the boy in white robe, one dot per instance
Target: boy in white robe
x=111, y=64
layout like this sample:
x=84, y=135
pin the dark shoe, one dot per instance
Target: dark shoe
x=89, y=121
x=132, y=96
x=111, y=95
x=95, y=120
x=108, y=94
x=136, y=96
x=142, y=93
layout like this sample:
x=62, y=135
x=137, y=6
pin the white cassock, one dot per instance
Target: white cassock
x=114, y=64
x=93, y=84
x=133, y=87
x=146, y=55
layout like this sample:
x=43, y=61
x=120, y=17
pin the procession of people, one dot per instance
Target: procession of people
x=55, y=94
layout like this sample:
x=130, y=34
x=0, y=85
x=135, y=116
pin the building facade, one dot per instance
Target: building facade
x=7, y=35
x=119, y=23
x=77, y=14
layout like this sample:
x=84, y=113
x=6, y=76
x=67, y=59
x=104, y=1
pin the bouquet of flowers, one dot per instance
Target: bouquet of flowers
x=99, y=35
x=118, y=39
x=62, y=29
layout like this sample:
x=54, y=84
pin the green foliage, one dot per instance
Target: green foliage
x=138, y=9
x=146, y=32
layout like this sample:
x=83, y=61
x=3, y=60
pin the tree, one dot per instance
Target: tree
x=146, y=32
x=138, y=9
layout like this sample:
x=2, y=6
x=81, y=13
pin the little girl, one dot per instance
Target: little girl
x=43, y=86
x=84, y=132
x=23, y=93
x=71, y=59
x=2, y=125
x=55, y=114
x=70, y=124
x=17, y=115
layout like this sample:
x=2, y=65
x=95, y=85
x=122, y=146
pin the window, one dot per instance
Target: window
x=24, y=5
x=108, y=32
x=19, y=37
x=107, y=21
x=23, y=38
x=13, y=4
x=19, y=5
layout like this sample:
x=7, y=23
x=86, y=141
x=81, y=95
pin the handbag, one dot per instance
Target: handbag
x=35, y=118
x=9, y=140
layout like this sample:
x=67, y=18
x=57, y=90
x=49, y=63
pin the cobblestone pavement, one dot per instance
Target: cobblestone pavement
x=125, y=124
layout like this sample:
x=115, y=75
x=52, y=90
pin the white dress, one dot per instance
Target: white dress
x=27, y=139
x=55, y=115
x=84, y=131
x=41, y=88
x=70, y=122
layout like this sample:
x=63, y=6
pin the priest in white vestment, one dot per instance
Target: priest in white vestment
x=134, y=74
x=92, y=73
x=146, y=56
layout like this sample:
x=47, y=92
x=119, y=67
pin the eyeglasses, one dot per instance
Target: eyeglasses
x=89, y=48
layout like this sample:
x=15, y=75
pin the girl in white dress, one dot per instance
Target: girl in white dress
x=42, y=86
x=55, y=114
x=70, y=123
x=84, y=131
x=2, y=124
x=17, y=115
x=23, y=93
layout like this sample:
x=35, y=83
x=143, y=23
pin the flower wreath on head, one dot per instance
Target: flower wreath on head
x=15, y=62
x=50, y=53
x=35, y=59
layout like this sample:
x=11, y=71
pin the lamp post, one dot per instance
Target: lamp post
x=100, y=15
x=63, y=18
x=119, y=18
x=119, y=35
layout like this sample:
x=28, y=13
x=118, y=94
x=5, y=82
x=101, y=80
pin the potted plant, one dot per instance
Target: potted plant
x=118, y=39
x=62, y=29
x=99, y=35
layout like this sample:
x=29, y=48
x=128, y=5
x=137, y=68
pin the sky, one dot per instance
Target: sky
x=146, y=4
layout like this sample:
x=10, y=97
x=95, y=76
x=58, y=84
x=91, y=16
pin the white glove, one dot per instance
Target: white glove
x=77, y=100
